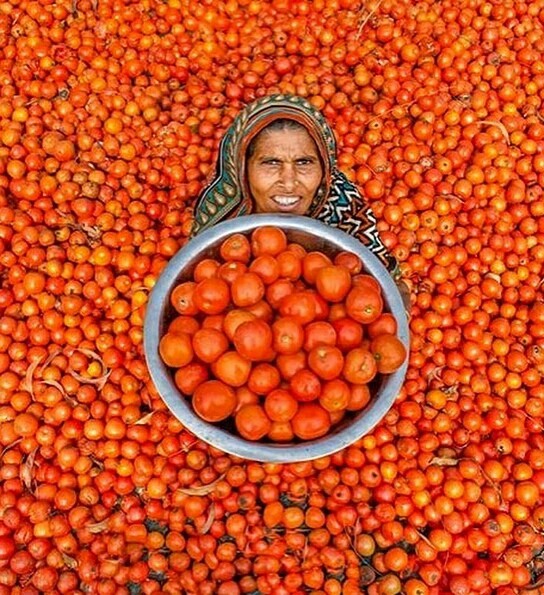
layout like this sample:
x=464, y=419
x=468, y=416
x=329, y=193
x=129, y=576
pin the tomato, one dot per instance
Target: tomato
x=319, y=333
x=268, y=240
x=299, y=305
x=364, y=280
x=266, y=268
x=45, y=578
x=184, y=324
x=289, y=265
x=206, y=269
x=22, y=562
x=349, y=333
x=236, y=247
x=244, y=396
x=211, y=296
x=333, y=282
x=349, y=260
x=336, y=312
x=176, y=349
x=364, y=304
x=230, y=271
x=385, y=324
x=281, y=431
x=335, y=395
x=389, y=353
x=288, y=336
x=280, y=405
x=233, y=319
x=290, y=364
x=253, y=340
x=189, y=377
x=209, y=344
x=182, y=298
x=214, y=401
x=214, y=322
x=247, y=290
x=297, y=249
x=261, y=310
x=263, y=379
x=360, y=367
x=311, y=263
x=277, y=291
x=359, y=397
x=7, y=547
x=305, y=385
x=252, y=422
x=311, y=421
x=326, y=361
x=232, y=369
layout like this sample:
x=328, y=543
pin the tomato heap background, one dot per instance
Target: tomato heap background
x=110, y=117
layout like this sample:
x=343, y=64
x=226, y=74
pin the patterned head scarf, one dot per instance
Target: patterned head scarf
x=337, y=201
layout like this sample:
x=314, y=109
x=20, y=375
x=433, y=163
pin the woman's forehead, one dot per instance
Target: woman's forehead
x=273, y=140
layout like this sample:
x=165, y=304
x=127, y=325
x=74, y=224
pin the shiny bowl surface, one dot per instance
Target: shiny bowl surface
x=313, y=235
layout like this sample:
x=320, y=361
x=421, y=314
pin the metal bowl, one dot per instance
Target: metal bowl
x=313, y=235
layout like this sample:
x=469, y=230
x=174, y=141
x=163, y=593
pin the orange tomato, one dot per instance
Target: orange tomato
x=389, y=353
x=252, y=422
x=176, y=349
x=360, y=366
x=280, y=405
x=214, y=401
x=311, y=421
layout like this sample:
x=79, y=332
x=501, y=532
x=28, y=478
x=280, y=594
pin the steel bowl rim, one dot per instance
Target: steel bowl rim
x=223, y=439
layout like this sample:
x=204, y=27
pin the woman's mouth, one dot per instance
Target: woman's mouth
x=286, y=202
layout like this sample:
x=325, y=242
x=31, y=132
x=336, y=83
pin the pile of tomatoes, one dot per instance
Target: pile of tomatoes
x=111, y=114
x=283, y=340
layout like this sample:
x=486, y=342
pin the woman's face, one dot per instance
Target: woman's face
x=284, y=171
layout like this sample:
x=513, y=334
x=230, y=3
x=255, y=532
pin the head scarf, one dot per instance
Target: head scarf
x=337, y=201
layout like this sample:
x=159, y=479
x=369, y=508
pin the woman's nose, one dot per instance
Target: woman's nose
x=288, y=176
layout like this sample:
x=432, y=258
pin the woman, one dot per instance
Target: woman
x=279, y=155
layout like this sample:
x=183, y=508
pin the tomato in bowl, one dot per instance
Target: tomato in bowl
x=276, y=338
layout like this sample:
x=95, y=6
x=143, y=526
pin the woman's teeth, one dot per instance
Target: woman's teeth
x=286, y=201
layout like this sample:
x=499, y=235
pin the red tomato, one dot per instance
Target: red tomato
x=252, y=422
x=389, y=353
x=253, y=340
x=214, y=401
x=364, y=304
x=299, y=305
x=305, y=385
x=326, y=361
x=360, y=366
x=236, y=247
x=349, y=333
x=335, y=395
x=288, y=335
x=385, y=324
x=319, y=333
x=211, y=296
x=311, y=421
x=263, y=378
x=333, y=282
x=280, y=405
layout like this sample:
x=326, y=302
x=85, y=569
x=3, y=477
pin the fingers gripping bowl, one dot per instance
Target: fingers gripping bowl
x=313, y=236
